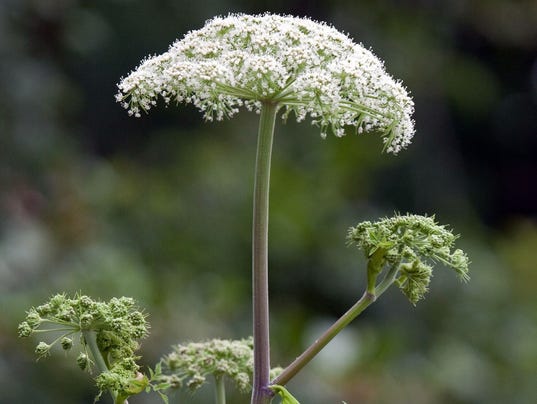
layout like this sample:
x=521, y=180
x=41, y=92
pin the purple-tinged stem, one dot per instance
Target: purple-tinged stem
x=261, y=394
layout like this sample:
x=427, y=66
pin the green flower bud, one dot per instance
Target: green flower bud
x=86, y=320
x=58, y=300
x=195, y=382
x=128, y=302
x=82, y=361
x=33, y=318
x=460, y=262
x=42, y=349
x=67, y=343
x=414, y=279
x=137, y=318
x=85, y=302
x=25, y=330
x=44, y=310
x=412, y=243
x=67, y=314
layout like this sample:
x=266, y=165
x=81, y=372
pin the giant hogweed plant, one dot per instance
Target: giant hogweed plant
x=272, y=65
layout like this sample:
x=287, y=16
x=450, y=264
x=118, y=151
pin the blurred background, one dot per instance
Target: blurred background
x=159, y=208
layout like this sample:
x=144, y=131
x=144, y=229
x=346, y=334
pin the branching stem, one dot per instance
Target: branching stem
x=297, y=365
x=367, y=299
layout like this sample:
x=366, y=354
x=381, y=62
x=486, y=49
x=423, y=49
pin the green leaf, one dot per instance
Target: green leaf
x=287, y=398
x=163, y=397
x=137, y=385
x=162, y=386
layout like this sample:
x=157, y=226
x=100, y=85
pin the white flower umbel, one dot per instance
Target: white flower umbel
x=307, y=67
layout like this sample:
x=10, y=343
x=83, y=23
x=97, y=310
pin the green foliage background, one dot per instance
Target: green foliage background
x=159, y=208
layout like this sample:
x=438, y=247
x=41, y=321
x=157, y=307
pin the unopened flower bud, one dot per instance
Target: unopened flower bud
x=86, y=320
x=25, y=330
x=42, y=349
x=82, y=361
x=33, y=318
x=67, y=343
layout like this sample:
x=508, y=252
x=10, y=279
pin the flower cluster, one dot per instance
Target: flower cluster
x=196, y=360
x=307, y=67
x=410, y=243
x=115, y=326
x=190, y=364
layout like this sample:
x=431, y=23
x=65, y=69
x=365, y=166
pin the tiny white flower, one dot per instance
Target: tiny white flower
x=306, y=67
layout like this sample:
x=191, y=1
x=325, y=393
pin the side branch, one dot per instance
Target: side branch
x=297, y=365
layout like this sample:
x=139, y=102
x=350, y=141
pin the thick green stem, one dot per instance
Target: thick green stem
x=91, y=341
x=297, y=365
x=260, y=392
x=220, y=390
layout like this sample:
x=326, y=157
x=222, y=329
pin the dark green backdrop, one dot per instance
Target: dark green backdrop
x=158, y=208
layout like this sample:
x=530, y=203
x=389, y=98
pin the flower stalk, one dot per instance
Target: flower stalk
x=374, y=268
x=260, y=392
x=220, y=390
x=299, y=363
x=91, y=342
